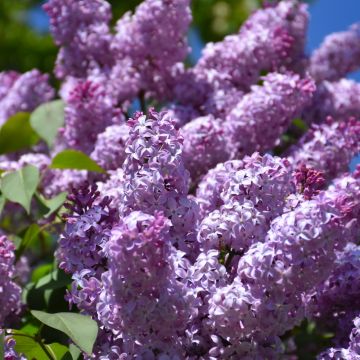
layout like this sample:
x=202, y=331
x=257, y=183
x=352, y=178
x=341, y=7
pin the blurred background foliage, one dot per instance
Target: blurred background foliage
x=25, y=42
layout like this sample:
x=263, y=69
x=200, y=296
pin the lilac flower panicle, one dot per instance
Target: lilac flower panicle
x=88, y=112
x=7, y=79
x=204, y=145
x=25, y=93
x=328, y=147
x=261, y=116
x=339, y=100
x=266, y=40
x=154, y=37
x=252, y=197
x=81, y=28
x=86, y=231
x=109, y=151
x=212, y=184
x=9, y=290
x=338, y=55
x=141, y=297
x=155, y=178
x=273, y=275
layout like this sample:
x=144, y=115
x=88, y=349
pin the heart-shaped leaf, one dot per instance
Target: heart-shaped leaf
x=17, y=134
x=20, y=186
x=82, y=330
x=47, y=119
x=74, y=159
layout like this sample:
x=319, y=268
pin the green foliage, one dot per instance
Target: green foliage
x=20, y=186
x=82, y=330
x=47, y=119
x=17, y=134
x=53, y=204
x=74, y=159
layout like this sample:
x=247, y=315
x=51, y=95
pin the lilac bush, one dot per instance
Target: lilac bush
x=211, y=211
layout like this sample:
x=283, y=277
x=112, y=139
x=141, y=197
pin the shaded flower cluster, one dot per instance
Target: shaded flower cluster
x=10, y=298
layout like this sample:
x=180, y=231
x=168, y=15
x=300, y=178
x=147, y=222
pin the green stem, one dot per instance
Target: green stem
x=2, y=345
x=142, y=102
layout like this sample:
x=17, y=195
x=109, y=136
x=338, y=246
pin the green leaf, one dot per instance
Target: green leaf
x=57, y=350
x=300, y=124
x=17, y=134
x=2, y=203
x=2, y=345
x=30, y=236
x=82, y=330
x=53, y=204
x=20, y=186
x=54, y=280
x=27, y=346
x=74, y=351
x=41, y=271
x=47, y=119
x=74, y=159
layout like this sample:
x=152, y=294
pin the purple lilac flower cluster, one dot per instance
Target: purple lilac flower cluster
x=10, y=298
x=197, y=242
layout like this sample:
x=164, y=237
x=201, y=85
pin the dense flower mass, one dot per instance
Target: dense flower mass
x=10, y=291
x=22, y=93
x=338, y=55
x=208, y=229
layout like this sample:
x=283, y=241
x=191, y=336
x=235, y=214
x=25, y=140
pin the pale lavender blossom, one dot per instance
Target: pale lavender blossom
x=328, y=147
x=155, y=178
x=81, y=29
x=205, y=145
x=212, y=184
x=259, y=119
x=339, y=100
x=109, y=151
x=141, y=297
x=25, y=93
x=252, y=198
x=266, y=41
x=154, y=37
x=298, y=254
x=338, y=55
x=89, y=110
